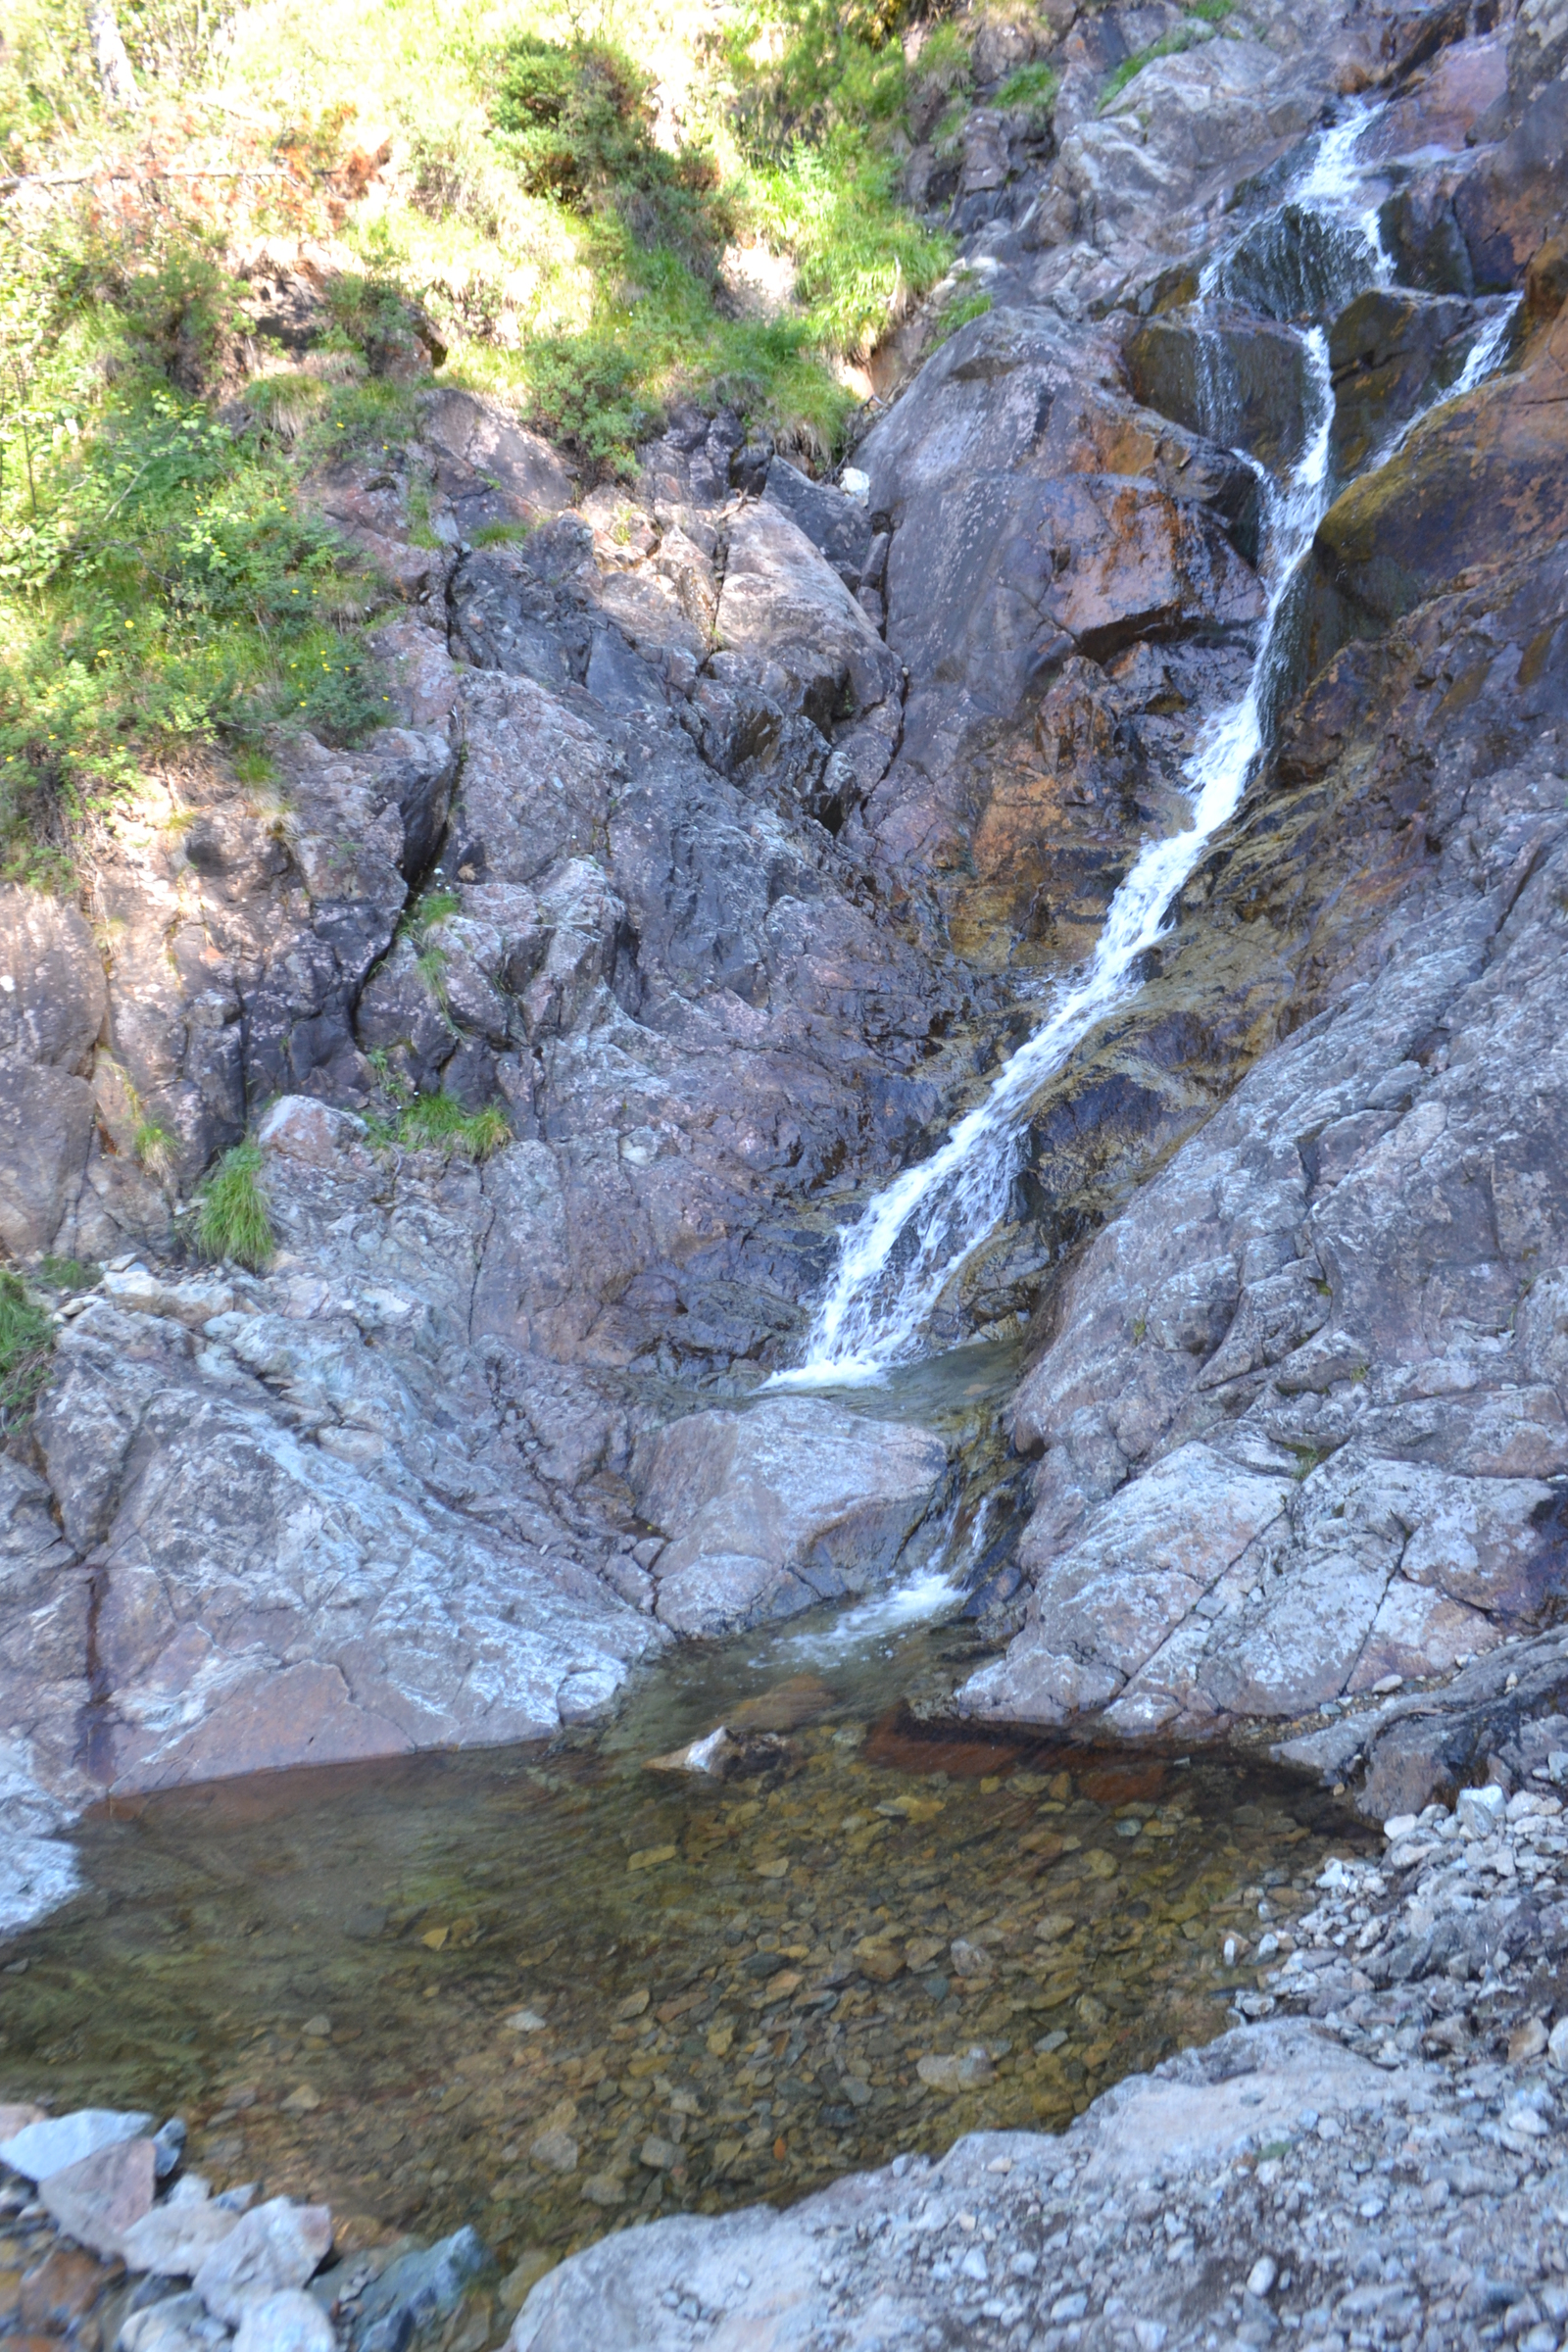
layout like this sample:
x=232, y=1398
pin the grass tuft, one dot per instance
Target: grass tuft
x=1035, y=87
x=69, y=1273
x=437, y=1120
x=26, y=1338
x=233, y=1221
x=154, y=1147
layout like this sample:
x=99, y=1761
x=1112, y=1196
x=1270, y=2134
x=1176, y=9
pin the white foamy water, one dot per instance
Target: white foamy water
x=930, y=1592
x=912, y=1238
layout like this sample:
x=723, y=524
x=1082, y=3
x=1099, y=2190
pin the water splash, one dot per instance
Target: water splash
x=932, y=1591
x=914, y=1238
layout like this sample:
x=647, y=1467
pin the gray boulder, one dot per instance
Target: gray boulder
x=771, y=1510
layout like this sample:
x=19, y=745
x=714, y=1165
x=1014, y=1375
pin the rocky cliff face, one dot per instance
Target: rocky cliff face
x=725, y=827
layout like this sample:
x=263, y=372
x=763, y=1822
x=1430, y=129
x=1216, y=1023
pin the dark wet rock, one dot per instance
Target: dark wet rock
x=1244, y=382
x=1423, y=238
x=1479, y=479
x=1389, y=352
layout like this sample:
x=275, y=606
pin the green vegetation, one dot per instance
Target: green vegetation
x=440, y=1122
x=69, y=1273
x=154, y=1147
x=959, y=312
x=232, y=1221
x=1198, y=24
x=416, y=924
x=163, y=586
x=25, y=1341
x=1035, y=87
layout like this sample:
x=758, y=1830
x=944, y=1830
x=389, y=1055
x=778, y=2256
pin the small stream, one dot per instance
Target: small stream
x=548, y=1990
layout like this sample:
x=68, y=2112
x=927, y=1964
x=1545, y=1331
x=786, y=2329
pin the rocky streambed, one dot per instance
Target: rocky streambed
x=1384, y=2166
x=547, y=1990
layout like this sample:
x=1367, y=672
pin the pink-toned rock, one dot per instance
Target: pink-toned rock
x=45, y=2144
x=98, y=2200
x=16, y=2119
x=175, y=2239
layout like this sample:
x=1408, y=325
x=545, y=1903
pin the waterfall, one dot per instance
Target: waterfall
x=911, y=1239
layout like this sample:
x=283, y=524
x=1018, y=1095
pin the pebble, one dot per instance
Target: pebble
x=555, y=2152
x=604, y=2188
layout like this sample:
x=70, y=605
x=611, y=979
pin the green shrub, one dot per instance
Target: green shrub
x=577, y=122
x=162, y=584
x=233, y=1221
x=440, y=1119
x=26, y=1337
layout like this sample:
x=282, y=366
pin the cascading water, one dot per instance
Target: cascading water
x=1312, y=254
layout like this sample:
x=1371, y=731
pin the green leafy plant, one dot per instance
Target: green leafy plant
x=441, y=1120
x=232, y=1221
x=25, y=1341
